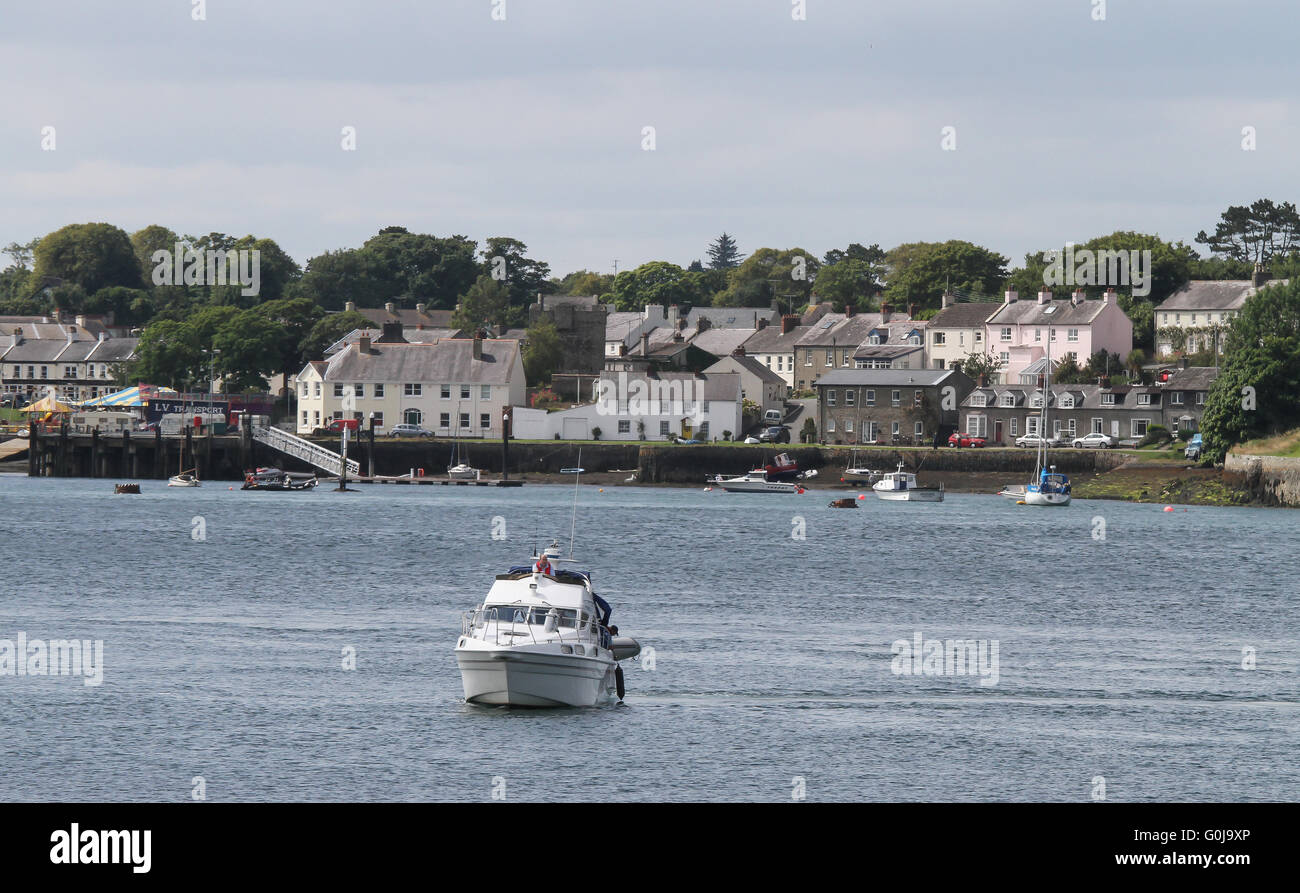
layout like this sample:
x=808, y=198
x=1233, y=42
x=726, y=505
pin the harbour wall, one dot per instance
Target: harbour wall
x=1272, y=480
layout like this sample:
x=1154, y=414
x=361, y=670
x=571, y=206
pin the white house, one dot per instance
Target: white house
x=957, y=331
x=1196, y=317
x=454, y=387
x=631, y=406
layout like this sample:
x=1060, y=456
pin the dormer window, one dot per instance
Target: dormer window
x=1067, y=401
x=874, y=339
x=1008, y=400
x=1144, y=399
x=1107, y=399
x=979, y=399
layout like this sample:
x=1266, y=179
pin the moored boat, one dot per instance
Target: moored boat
x=755, y=481
x=901, y=486
x=275, y=479
x=184, y=479
x=858, y=474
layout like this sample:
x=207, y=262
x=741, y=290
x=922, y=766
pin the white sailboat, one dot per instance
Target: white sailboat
x=184, y=478
x=858, y=474
x=458, y=470
x=1048, y=487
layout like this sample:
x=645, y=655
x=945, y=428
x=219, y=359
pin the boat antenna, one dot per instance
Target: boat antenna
x=573, y=523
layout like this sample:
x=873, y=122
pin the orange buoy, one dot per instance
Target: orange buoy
x=1169, y=508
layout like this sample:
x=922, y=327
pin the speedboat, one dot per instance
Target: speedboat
x=275, y=479
x=184, y=479
x=463, y=472
x=542, y=639
x=901, y=486
x=755, y=481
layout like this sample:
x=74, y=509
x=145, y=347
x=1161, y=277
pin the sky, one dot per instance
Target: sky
x=809, y=132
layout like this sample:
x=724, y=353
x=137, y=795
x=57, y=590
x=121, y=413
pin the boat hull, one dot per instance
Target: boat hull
x=1031, y=497
x=912, y=494
x=517, y=677
x=758, y=487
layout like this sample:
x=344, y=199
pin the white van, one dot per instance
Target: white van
x=773, y=417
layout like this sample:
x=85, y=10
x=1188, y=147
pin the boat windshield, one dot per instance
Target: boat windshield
x=568, y=617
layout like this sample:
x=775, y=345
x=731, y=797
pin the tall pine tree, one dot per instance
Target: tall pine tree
x=723, y=253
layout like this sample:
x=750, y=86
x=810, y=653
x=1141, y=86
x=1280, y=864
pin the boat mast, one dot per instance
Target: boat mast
x=573, y=523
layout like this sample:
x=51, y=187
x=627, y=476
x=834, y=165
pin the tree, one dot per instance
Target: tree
x=873, y=255
x=723, y=253
x=1255, y=392
x=524, y=278
x=544, y=352
x=168, y=354
x=129, y=306
x=848, y=282
x=919, y=272
x=656, y=282
x=486, y=303
x=144, y=242
x=771, y=273
x=91, y=255
x=976, y=364
x=1255, y=233
x=329, y=329
x=249, y=346
x=1067, y=371
x=1134, y=362
x=583, y=282
x=296, y=317
x=336, y=277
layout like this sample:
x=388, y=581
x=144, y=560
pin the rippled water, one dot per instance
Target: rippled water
x=1119, y=657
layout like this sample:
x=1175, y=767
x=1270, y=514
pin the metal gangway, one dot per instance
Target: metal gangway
x=299, y=448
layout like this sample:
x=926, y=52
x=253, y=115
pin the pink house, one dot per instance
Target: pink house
x=1020, y=332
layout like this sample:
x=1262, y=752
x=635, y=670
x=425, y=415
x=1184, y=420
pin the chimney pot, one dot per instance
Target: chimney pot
x=1044, y=296
x=946, y=300
x=363, y=345
x=1011, y=296
x=911, y=311
x=390, y=307
x=478, y=345
x=350, y=305
x=1260, y=276
x=849, y=310
x=1108, y=296
x=419, y=308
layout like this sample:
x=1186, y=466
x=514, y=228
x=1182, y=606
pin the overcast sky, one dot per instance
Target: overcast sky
x=785, y=133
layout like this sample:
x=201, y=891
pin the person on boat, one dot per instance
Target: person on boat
x=543, y=565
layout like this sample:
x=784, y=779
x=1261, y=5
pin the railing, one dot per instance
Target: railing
x=311, y=453
x=475, y=624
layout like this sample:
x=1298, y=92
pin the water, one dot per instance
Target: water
x=1118, y=658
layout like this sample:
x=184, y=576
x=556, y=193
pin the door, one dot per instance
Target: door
x=1114, y=428
x=686, y=429
x=997, y=431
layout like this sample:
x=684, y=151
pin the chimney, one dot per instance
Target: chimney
x=1078, y=297
x=1260, y=276
x=18, y=335
x=946, y=300
x=363, y=345
x=1011, y=296
x=350, y=306
x=645, y=344
x=390, y=307
x=102, y=336
x=392, y=334
x=622, y=350
x=1108, y=296
x=1182, y=362
x=703, y=323
x=419, y=308
x=983, y=381
x=1104, y=381
x=884, y=311
x=762, y=324
x=478, y=345
x=788, y=323
x=739, y=351
x=849, y=310
x=81, y=321
x=911, y=311
x=673, y=314
x=1044, y=296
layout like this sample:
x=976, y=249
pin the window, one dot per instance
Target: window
x=338, y=414
x=830, y=397
x=338, y=390
x=379, y=420
x=315, y=418
x=464, y=420
x=359, y=390
x=1200, y=398
x=1004, y=357
x=1036, y=401
x=444, y=420
x=412, y=389
x=45, y=372
x=1038, y=334
x=485, y=420
x=849, y=394
x=1051, y=334
x=69, y=371
x=830, y=358
x=848, y=426
x=445, y=392
x=1056, y=427
x=979, y=337
x=1107, y=399
x=807, y=358
x=979, y=399
x=1144, y=399
x=1071, y=334
x=304, y=418
x=1140, y=427
x=874, y=339
x=844, y=358
x=871, y=398
x=1096, y=426
x=1007, y=400
x=663, y=428
x=31, y=372
x=830, y=426
x=918, y=431
x=939, y=338
x=1015, y=427
x=464, y=392
x=316, y=389
x=1006, y=333
x=1067, y=401
x=893, y=428
x=624, y=426
x=896, y=397
x=976, y=425
x=702, y=432
x=1031, y=424
x=379, y=391
x=1193, y=319
x=305, y=388
x=412, y=417
x=1070, y=427
x=706, y=405
x=485, y=392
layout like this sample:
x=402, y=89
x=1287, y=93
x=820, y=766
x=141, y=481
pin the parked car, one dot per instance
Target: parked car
x=1095, y=440
x=775, y=434
x=1193, y=450
x=1035, y=440
x=406, y=429
x=960, y=439
x=338, y=425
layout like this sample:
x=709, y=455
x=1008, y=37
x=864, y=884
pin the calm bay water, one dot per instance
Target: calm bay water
x=1119, y=658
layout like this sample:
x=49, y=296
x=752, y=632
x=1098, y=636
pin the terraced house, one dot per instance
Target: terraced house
x=1196, y=317
x=453, y=387
x=892, y=406
x=37, y=359
x=1020, y=333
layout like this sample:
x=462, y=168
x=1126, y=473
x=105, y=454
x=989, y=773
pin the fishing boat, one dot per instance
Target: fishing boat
x=782, y=468
x=1048, y=487
x=542, y=638
x=275, y=479
x=901, y=486
x=858, y=474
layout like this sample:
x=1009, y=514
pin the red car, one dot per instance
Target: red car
x=965, y=440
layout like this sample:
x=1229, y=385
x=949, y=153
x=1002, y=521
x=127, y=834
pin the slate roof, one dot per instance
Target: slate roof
x=885, y=377
x=1029, y=312
x=721, y=342
x=448, y=360
x=751, y=365
x=732, y=317
x=970, y=315
x=415, y=336
x=770, y=340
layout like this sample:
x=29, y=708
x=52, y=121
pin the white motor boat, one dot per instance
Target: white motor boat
x=901, y=486
x=542, y=639
x=755, y=481
x=463, y=472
